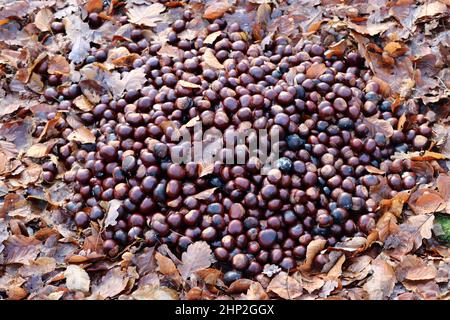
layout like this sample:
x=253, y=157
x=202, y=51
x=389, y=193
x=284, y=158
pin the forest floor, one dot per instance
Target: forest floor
x=44, y=256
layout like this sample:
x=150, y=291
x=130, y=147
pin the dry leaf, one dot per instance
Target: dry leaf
x=112, y=284
x=82, y=135
x=285, y=286
x=375, y=170
x=316, y=70
x=212, y=37
x=382, y=282
x=336, y=49
x=77, y=279
x=166, y=265
x=211, y=60
x=413, y=268
x=205, y=194
x=216, y=9
x=58, y=65
x=153, y=292
x=43, y=19
x=38, y=150
x=313, y=249
x=113, y=213
x=94, y=6
x=147, y=16
x=21, y=249
x=377, y=125
x=256, y=292
x=198, y=256
x=425, y=200
x=188, y=84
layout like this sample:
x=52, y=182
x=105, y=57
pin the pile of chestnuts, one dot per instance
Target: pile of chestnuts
x=318, y=189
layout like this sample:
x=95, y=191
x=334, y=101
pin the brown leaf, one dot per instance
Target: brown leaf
x=413, y=268
x=313, y=249
x=40, y=266
x=425, y=200
x=82, y=103
x=377, y=125
x=256, y=292
x=443, y=183
x=337, y=49
x=210, y=275
x=316, y=70
x=38, y=150
x=370, y=29
x=166, y=266
x=198, y=256
x=211, y=60
x=285, y=286
x=82, y=135
x=94, y=6
x=188, y=84
x=43, y=19
x=58, y=65
x=21, y=249
x=152, y=292
x=395, y=49
x=205, y=194
x=170, y=51
x=212, y=37
x=375, y=170
x=381, y=284
x=113, y=283
x=147, y=16
x=216, y=9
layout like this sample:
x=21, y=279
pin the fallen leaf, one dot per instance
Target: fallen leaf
x=38, y=150
x=147, y=16
x=21, y=249
x=377, y=125
x=211, y=60
x=313, y=249
x=316, y=70
x=336, y=49
x=94, y=6
x=212, y=37
x=43, y=19
x=77, y=279
x=82, y=103
x=198, y=256
x=188, y=84
x=285, y=286
x=112, y=213
x=216, y=9
x=40, y=266
x=375, y=170
x=58, y=65
x=82, y=135
x=113, y=283
x=381, y=283
x=413, y=268
x=425, y=200
x=152, y=292
x=205, y=194
x=166, y=265
x=256, y=292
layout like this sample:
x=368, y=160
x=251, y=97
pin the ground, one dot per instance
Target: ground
x=44, y=256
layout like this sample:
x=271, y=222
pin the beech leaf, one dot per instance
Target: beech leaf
x=198, y=256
